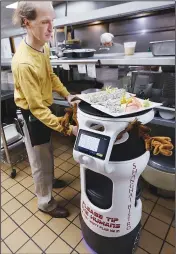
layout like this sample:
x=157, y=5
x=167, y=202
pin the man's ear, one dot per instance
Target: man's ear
x=26, y=22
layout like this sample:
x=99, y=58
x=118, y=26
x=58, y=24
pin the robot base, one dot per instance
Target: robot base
x=126, y=244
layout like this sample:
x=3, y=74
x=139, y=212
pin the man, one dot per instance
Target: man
x=108, y=75
x=34, y=82
x=106, y=40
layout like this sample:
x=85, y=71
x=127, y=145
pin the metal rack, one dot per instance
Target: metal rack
x=8, y=155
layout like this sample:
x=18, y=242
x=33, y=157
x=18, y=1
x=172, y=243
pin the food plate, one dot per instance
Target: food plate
x=117, y=102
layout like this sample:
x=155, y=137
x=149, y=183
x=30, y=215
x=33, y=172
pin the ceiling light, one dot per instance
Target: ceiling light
x=12, y=6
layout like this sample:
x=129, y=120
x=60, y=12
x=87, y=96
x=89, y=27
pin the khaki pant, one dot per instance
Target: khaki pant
x=41, y=160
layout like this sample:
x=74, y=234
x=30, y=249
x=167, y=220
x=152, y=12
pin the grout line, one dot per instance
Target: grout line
x=168, y=233
x=7, y=247
x=160, y=220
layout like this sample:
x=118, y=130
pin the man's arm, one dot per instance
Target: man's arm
x=30, y=86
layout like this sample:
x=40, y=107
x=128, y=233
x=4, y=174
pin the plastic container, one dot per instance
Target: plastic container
x=129, y=48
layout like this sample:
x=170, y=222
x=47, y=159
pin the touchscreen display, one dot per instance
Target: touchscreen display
x=88, y=142
x=93, y=144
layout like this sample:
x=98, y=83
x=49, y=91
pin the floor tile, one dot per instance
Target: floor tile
x=82, y=249
x=5, y=166
x=27, y=170
x=16, y=189
x=75, y=171
x=5, y=197
x=76, y=200
x=30, y=247
x=77, y=222
x=57, y=152
x=58, y=225
x=140, y=251
x=148, y=195
x=44, y=237
x=59, y=247
x=58, y=172
x=27, y=182
x=4, y=249
x=32, y=205
x=72, y=238
x=66, y=166
x=75, y=252
x=64, y=147
x=167, y=203
x=65, y=156
x=144, y=218
x=2, y=190
x=62, y=201
x=150, y=243
x=171, y=236
x=3, y=216
x=44, y=217
x=58, y=162
x=22, y=165
x=76, y=184
x=74, y=211
x=70, y=151
x=163, y=214
x=67, y=178
x=7, y=227
x=20, y=176
x=156, y=227
x=68, y=193
x=16, y=240
x=12, y=206
x=168, y=249
x=21, y=215
x=147, y=205
x=4, y=176
x=8, y=183
x=32, y=189
x=72, y=161
x=32, y=225
x=25, y=196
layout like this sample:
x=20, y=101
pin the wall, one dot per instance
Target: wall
x=159, y=26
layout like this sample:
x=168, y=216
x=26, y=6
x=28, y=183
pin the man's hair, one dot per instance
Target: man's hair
x=25, y=9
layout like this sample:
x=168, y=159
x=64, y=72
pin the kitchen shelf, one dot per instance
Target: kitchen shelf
x=163, y=122
x=115, y=11
x=144, y=58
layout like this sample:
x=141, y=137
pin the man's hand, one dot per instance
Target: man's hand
x=74, y=130
x=72, y=99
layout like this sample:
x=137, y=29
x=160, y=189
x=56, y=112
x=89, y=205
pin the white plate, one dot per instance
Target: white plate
x=103, y=109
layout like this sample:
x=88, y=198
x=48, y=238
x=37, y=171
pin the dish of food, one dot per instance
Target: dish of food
x=117, y=102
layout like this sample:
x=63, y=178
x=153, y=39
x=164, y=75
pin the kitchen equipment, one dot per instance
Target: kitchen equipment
x=79, y=53
x=110, y=205
x=11, y=134
x=163, y=48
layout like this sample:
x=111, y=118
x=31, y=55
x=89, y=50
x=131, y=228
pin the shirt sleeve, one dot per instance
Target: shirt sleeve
x=30, y=86
x=57, y=85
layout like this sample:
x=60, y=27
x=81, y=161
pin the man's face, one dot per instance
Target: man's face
x=107, y=44
x=42, y=27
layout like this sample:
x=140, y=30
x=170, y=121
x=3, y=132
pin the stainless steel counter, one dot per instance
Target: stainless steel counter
x=145, y=58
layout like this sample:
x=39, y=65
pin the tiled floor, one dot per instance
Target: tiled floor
x=25, y=230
